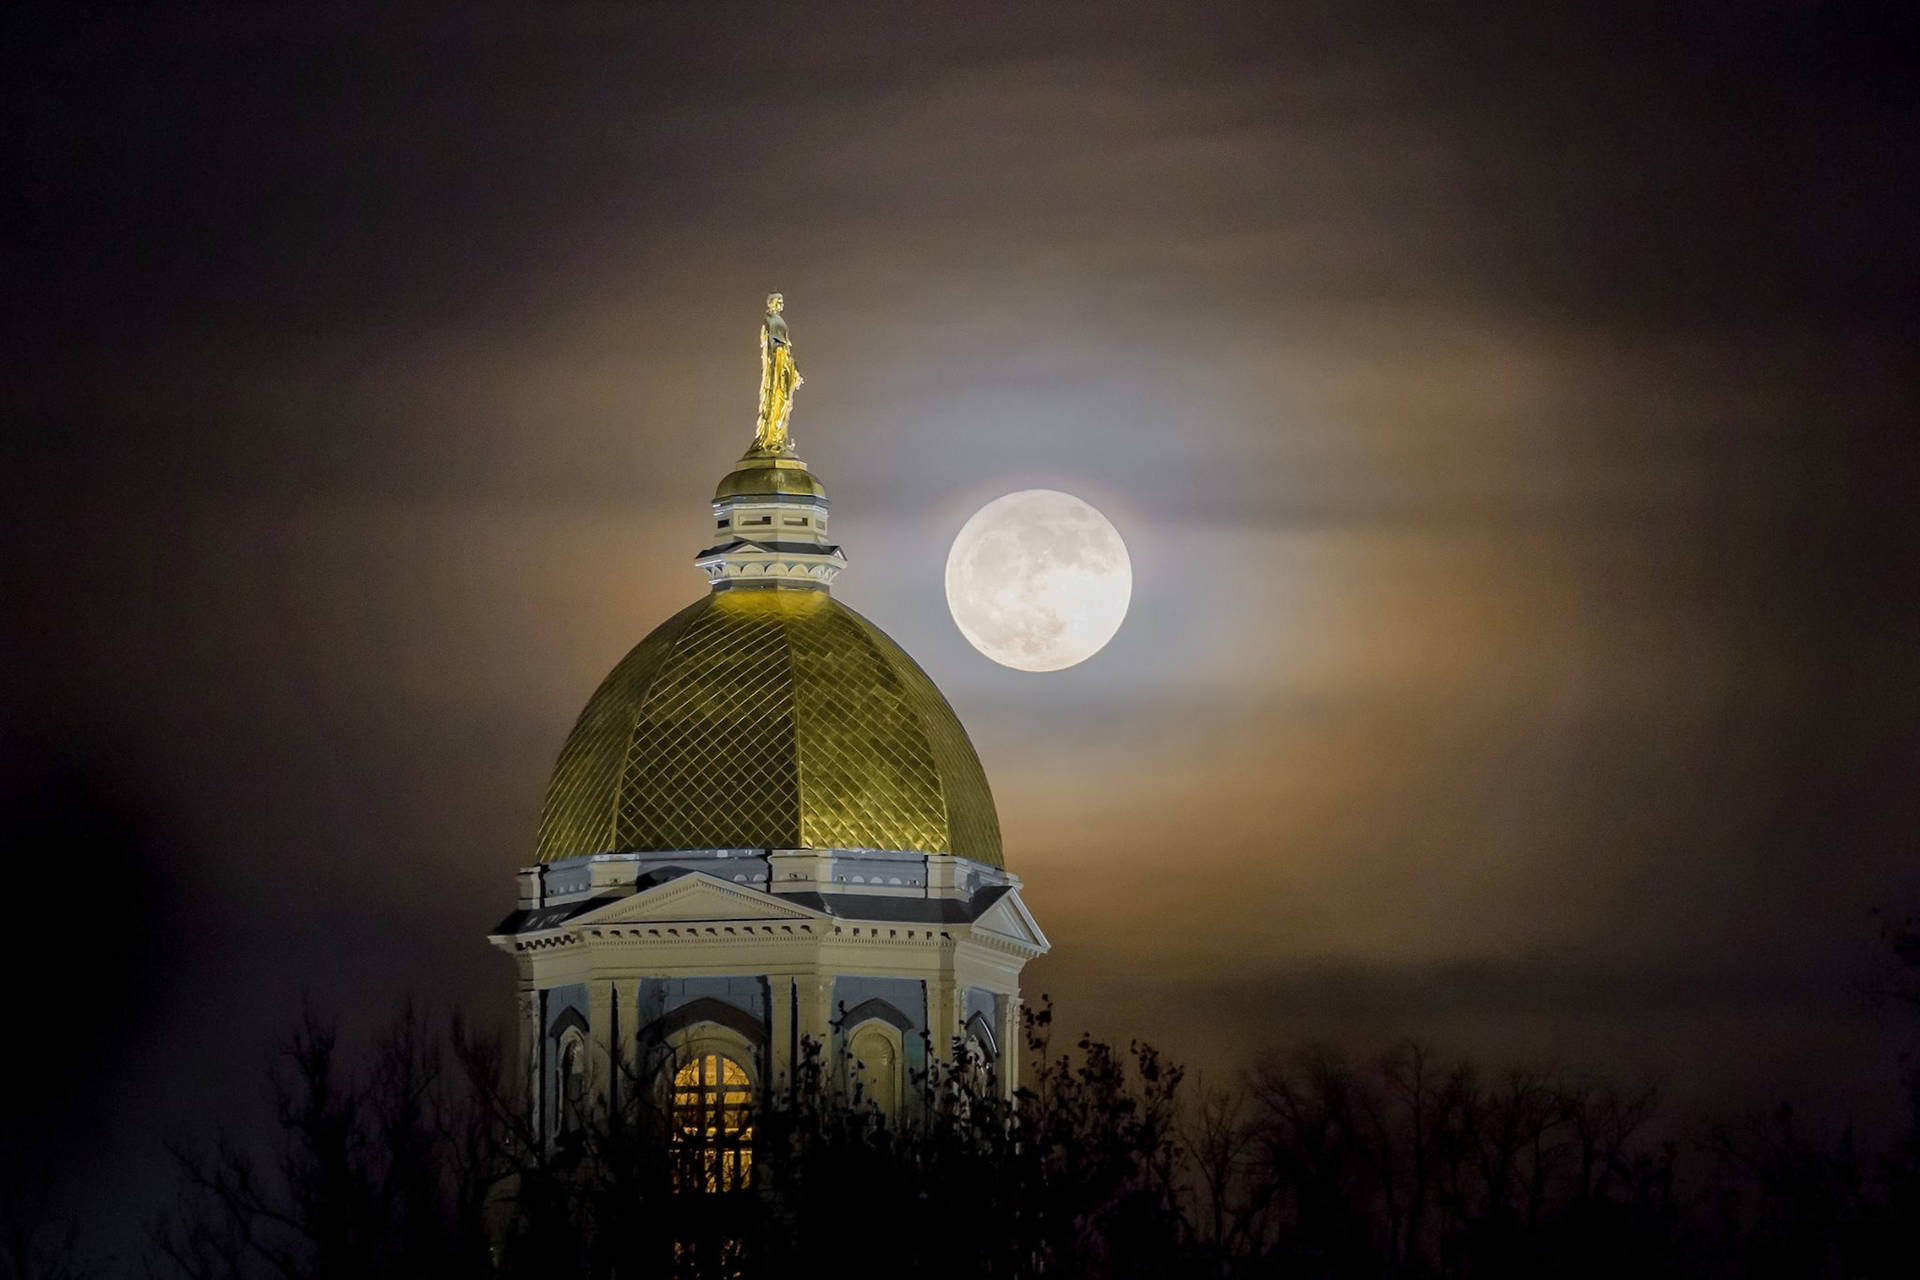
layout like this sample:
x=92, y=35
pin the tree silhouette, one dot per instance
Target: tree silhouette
x=424, y=1158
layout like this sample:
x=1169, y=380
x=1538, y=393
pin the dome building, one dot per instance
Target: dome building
x=767, y=827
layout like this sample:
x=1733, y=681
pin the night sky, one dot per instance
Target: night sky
x=1510, y=415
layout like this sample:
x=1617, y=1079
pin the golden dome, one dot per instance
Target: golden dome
x=764, y=474
x=768, y=719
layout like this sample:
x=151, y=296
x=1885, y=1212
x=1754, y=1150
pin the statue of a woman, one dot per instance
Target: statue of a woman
x=778, y=378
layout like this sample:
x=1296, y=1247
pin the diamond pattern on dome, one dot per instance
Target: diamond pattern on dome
x=577, y=817
x=712, y=761
x=973, y=824
x=864, y=763
x=768, y=719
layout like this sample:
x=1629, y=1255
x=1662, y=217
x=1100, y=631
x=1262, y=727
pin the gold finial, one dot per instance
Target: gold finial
x=779, y=377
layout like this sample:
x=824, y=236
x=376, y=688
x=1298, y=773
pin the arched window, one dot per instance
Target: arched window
x=876, y=1065
x=979, y=1055
x=713, y=1123
x=570, y=1091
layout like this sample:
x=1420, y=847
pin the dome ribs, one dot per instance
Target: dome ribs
x=712, y=763
x=871, y=782
x=972, y=823
x=577, y=817
x=768, y=719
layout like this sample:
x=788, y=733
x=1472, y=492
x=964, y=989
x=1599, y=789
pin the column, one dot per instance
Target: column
x=943, y=1014
x=816, y=1014
x=1007, y=1030
x=530, y=1008
x=781, y=1032
x=602, y=1028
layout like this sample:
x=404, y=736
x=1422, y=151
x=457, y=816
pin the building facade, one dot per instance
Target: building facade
x=767, y=830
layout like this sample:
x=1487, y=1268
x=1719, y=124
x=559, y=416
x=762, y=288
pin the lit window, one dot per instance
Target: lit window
x=713, y=1124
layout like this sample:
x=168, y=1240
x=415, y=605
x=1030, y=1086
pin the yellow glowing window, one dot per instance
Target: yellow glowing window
x=713, y=1124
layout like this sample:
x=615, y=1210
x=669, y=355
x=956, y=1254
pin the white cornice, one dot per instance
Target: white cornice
x=704, y=912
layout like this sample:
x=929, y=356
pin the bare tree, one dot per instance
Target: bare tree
x=426, y=1157
x=37, y=1240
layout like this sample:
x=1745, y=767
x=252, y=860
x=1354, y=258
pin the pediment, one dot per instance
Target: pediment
x=1009, y=919
x=697, y=898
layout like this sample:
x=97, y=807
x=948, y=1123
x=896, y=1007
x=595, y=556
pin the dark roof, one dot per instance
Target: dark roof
x=840, y=906
x=864, y=906
x=777, y=548
x=548, y=917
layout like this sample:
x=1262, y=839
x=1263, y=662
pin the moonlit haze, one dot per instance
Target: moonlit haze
x=1509, y=410
x=1038, y=580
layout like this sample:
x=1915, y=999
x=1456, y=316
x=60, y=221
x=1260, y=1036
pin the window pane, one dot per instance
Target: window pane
x=712, y=1096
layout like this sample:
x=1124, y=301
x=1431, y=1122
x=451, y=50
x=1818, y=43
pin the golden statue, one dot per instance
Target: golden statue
x=779, y=376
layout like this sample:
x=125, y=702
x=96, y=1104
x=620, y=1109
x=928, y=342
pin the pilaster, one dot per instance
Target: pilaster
x=816, y=1010
x=602, y=1030
x=1006, y=1010
x=530, y=1014
x=943, y=1013
x=782, y=1033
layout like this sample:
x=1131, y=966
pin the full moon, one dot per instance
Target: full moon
x=1038, y=580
